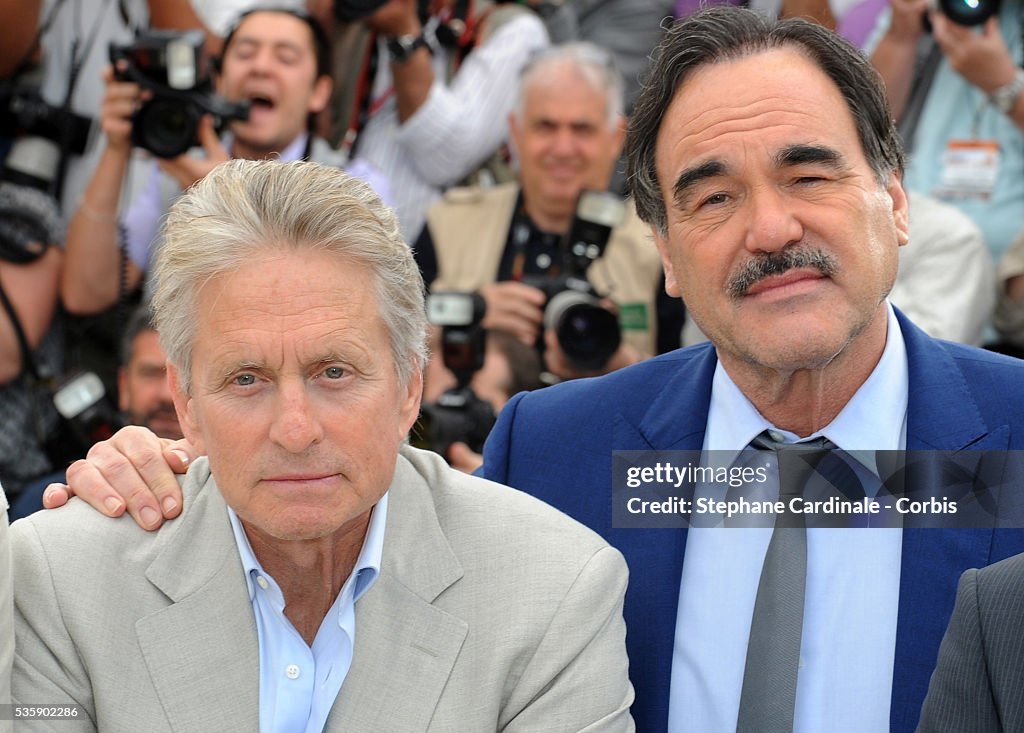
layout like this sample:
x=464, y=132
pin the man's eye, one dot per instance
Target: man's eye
x=245, y=380
x=715, y=199
x=334, y=372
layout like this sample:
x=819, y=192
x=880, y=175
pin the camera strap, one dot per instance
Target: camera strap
x=28, y=363
x=924, y=75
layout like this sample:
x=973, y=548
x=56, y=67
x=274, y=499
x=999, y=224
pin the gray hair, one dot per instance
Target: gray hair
x=244, y=207
x=592, y=63
x=726, y=33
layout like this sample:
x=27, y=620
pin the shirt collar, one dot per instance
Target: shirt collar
x=367, y=566
x=874, y=419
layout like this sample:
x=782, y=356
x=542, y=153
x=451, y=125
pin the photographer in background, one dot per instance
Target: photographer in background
x=956, y=93
x=567, y=129
x=274, y=59
x=429, y=118
x=51, y=53
x=143, y=398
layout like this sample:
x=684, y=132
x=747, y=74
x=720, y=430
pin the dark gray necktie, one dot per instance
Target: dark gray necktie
x=773, y=653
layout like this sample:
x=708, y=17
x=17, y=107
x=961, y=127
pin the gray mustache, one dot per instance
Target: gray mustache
x=776, y=263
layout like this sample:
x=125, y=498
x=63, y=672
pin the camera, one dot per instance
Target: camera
x=587, y=332
x=175, y=68
x=82, y=401
x=969, y=12
x=31, y=180
x=459, y=414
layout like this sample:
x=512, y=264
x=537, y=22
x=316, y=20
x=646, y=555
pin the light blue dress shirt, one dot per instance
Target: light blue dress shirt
x=852, y=592
x=298, y=684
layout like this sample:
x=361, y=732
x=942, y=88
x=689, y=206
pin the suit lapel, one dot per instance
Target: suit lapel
x=202, y=651
x=406, y=647
x=675, y=420
x=941, y=415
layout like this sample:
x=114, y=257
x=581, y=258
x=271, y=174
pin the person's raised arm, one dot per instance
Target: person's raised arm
x=413, y=76
x=17, y=32
x=91, y=277
x=983, y=59
x=895, y=55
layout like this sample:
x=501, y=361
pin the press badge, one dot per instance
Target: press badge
x=969, y=169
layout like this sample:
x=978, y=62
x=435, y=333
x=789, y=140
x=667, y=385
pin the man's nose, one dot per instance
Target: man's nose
x=564, y=142
x=295, y=425
x=773, y=223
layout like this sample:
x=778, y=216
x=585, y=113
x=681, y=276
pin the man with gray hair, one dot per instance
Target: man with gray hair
x=324, y=574
x=567, y=129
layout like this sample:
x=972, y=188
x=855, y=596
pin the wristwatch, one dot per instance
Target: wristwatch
x=1005, y=96
x=401, y=48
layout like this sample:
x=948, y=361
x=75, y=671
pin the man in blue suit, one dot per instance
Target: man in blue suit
x=764, y=158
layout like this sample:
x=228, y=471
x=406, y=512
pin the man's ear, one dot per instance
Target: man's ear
x=322, y=88
x=184, y=405
x=410, y=409
x=900, y=208
x=671, y=283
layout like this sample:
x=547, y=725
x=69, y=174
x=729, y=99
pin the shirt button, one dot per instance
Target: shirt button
x=262, y=582
x=292, y=671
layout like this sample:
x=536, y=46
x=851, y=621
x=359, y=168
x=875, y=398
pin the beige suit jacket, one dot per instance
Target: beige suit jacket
x=492, y=611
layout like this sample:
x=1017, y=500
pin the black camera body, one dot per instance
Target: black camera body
x=588, y=333
x=175, y=68
x=459, y=415
x=31, y=180
x=969, y=12
x=87, y=412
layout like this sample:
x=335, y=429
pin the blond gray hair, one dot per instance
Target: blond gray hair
x=593, y=64
x=245, y=207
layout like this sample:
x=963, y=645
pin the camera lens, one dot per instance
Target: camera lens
x=588, y=333
x=166, y=127
x=969, y=12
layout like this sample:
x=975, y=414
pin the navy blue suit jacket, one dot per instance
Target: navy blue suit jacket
x=557, y=445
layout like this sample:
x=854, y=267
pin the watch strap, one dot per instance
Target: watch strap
x=1005, y=97
x=401, y=48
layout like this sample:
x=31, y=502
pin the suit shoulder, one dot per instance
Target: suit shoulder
x=1001, y=585
x=474, y=509
x=988, y=371
x=76, y=539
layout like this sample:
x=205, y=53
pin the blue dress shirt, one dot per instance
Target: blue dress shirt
x=852, y=591
x=298, y=683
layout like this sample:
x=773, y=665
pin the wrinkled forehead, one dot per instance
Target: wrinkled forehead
x=760, y=98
